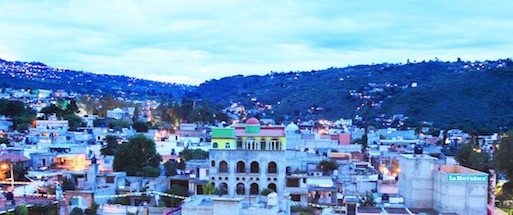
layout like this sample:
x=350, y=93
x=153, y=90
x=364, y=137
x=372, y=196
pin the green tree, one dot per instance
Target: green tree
x=178, y=190
x=21, y=210
x=111, y=142
x=134, y=155
x=472, y=156
x=208, y=189
x=141, y=126
x=193, y=154
x=74, y=121
x=365, y=143
x=327, y=165
x=76, y=211
x=504, y=162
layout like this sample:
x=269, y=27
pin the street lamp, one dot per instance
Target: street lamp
x=4, y=167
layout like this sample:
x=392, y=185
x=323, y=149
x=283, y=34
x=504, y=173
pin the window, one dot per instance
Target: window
x=254, y=167
x=214, y=145
x=213, y=163
x=271, y=167
x=227, y=145
x=240, y=189
x=272, y=186
x=223, y=188
x=241, y=167
x=253, y=189
x=223, y=167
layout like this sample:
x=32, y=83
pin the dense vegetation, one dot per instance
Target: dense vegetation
x=449, y=94
x=474, y=96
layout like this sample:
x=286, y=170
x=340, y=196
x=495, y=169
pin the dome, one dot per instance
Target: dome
x=253, y=121
x=292, y=127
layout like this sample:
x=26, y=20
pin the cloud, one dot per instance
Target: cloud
x=194, y=41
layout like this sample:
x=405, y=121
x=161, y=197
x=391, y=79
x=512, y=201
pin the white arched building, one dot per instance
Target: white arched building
x=247, y=158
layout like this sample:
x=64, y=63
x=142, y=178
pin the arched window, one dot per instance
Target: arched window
x=272, y=186
x=254, y=167
x=223, y=188
x=223, y=167
x=253, y=189
x=215, y=145
x=240, y=189
x=241, y=167
x=213, y=163
x=227, y=145
x=272, y=168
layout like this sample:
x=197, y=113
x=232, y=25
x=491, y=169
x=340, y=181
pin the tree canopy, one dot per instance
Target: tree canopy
x=192, y=154
x=503, y=162
x=472, y=156
x=136, y=154
x=327, y=165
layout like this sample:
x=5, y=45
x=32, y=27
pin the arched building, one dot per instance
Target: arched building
x=247, y=158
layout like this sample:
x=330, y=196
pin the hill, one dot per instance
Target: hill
x=467, y=95
x=472, y=96
x=17, y=75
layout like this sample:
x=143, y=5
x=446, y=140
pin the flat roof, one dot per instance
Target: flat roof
x=458, y=169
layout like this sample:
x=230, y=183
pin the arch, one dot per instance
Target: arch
x=241, y=167
x=253, y=189
x=215, y=145
x=223, y=188
x=227, y=145
x=272, y=186
x=213, y=163
x=223, y=167
x=241, y=190
x=272, y=168
x=254, y=167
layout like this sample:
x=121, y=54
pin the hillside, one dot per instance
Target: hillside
x=468, y=95
x=448, y=94
x=14, y=74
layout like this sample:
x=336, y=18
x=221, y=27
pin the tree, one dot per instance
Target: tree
x=110, y=146
x=365, y=143
x=472, y=156
x=208, y=189
x=134, y=155
x=171, y=166
x=74, y=121
x=141, y=126
x=21, y=210
x=327, y=165
x=178, y=190
x=193, y=154
x=504, y=163
x=76, y=211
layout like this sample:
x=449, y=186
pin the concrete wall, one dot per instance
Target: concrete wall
x=416, y=180
x=464, y=198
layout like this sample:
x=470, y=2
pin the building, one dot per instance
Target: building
x=247, y=158
x=416, y=180
x=460, y=190
x=215, y=205
x=447, y=189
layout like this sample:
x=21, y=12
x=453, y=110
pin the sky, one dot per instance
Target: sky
x=197, y=40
